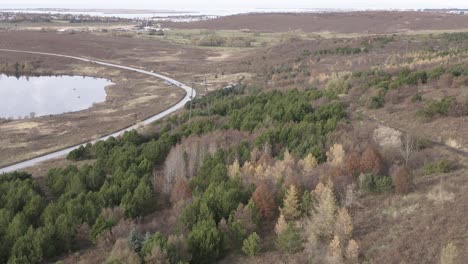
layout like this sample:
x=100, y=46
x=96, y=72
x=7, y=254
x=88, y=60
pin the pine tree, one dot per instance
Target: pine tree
x=281, y=225
x=251, y=245
x=335, y=254
x=308, y=163
x=335, y=155
x=234, y=169
x=324, y=217
x=352, y=251
x=343, y=225
x=290, y=208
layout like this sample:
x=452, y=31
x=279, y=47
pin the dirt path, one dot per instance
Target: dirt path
x=190, y=93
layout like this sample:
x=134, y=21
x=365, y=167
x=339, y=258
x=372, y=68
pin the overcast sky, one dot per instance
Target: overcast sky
x=235, y=4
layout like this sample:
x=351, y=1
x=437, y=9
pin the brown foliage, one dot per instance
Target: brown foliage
x=401, y=178
x=121, y=230
x=181, y=191
x=353, y=163
x=264, y=200
x=123, y=253
x=372, y=161
x=340, y=178
x=184, y=159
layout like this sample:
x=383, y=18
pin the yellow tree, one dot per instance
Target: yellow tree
x=281, y=225
x=290, y=208
x=343, y=225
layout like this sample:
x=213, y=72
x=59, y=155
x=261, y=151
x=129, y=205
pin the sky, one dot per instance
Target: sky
x=237, y=4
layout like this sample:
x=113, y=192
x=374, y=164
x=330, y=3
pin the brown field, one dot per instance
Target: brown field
x=378, y=22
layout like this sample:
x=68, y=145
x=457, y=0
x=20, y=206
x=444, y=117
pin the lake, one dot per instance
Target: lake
x=49, y=95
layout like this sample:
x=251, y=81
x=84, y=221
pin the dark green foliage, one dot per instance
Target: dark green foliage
x=375, y=183
x=433, y=108
x=217, y=199
x=102, y=224
x=205, y=242
x=135, y=240
x=435, y=73
x=307, y=203
x=213, y=170
x=251, y=245
x=156, y=240
x=422, y=143
x=34, y=229
x=416, y=98
x=455, y=37
x=376, y=102
x=440, y=166
x=81, y=153
x=291, y=239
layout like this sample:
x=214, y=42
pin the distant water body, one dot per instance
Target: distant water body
x=167, y=14
x=49, y=95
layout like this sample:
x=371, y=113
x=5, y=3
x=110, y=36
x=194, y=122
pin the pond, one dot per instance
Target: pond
x=28, y=97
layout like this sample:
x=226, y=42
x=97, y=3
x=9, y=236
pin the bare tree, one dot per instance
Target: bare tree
x=407, y=147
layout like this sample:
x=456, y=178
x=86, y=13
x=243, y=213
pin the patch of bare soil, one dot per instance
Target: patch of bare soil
x=372, y=22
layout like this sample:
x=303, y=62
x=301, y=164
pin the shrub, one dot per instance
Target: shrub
x=435, y=73
x=372, y=161
x=435, y=107
x=338, y=85
x=251, y=245
x=239, y=42
x=290, y=240
x=416, y=98
x=375, y=183
x=422, y=143
x=401, y=179
x=210, y=41
x=449, y=254
x=441, y=166
x=376, y=102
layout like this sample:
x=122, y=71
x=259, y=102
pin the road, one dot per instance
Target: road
x=190, y=93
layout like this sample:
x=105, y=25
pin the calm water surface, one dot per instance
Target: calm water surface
x=49, y=95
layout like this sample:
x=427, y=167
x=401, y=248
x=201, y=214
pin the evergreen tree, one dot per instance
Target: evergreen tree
x=290, y=209
x=281, y=225
x=251, y=245
x=205, y=242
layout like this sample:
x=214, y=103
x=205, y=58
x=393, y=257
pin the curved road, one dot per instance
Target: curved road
x=190, y=93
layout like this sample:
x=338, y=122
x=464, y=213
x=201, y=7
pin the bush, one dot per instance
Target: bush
x=210, y=41
x=376, y=102
x=441, y=166
x=290, y=240
x=372, y=161
x=416, y=98
x=338, y=85
x=251, y=245
x=239, y=42
x=375, y=183
x=434, y=107
x=401, y=180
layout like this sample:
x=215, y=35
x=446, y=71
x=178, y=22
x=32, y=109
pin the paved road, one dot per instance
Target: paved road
x=190, y=93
